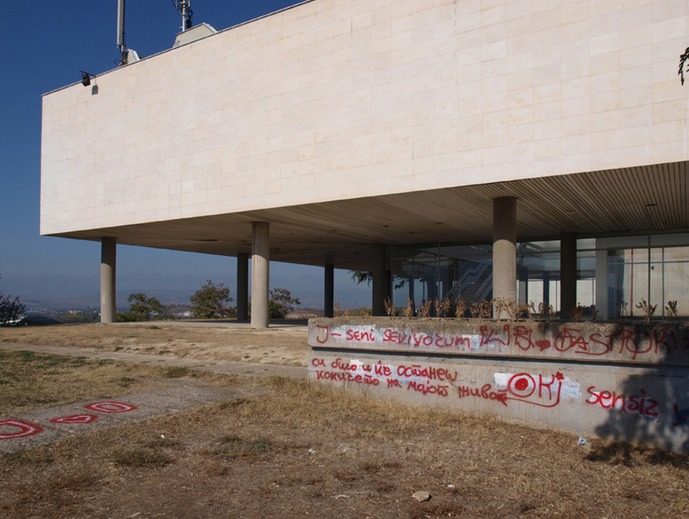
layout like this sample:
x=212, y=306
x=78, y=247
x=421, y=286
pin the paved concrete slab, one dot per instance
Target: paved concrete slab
x=43, y=426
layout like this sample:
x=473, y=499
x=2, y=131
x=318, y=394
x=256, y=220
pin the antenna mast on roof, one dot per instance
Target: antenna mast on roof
x=120, y=32
x=126, y=55
x=184, y=6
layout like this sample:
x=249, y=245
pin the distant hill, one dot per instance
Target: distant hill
x=61, y=293
x=55, y=292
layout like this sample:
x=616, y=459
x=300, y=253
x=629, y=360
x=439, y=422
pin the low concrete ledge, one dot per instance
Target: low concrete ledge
x=633, y=343
x=626, y=382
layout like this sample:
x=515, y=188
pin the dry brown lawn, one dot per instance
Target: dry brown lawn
x=290, y=448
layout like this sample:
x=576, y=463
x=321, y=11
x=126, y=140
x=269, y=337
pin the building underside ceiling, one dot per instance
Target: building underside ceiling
x=649, y=199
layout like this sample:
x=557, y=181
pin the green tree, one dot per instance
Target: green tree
x=281, y=303
x=142, y=308
x=11, y=310
x=361, y=276
x=211, y=301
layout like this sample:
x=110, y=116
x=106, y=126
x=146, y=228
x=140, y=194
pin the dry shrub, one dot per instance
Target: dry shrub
x=390, y=309
x=425, y=310
x=409, y=310
x=460, y=308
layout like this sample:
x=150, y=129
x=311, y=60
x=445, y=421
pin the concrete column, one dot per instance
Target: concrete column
x=380, y=285
x=329, y=290
x=568, y=274
x=602, y=287
x=504, y=249
x=260, y=274
x=243, y=286
x=523, y=275
x=546, y=289
x=108, y=260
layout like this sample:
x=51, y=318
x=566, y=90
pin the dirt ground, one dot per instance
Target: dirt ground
x=284, y=447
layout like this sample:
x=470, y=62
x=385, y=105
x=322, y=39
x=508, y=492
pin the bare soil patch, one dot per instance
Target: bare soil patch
x=291, y=448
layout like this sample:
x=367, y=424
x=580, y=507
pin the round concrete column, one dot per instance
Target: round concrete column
x=243, y=286
x=380, y=285
x=504, y=249
x=108, y=257
x=329, y=291
x=260, y=276
x=568, y=274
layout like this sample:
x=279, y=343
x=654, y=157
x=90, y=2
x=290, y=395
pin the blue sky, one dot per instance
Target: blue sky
x=45, y=45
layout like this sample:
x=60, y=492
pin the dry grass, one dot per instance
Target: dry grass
x=213, y=342
x=30, y=380
x=302, y=449
x=291, y=448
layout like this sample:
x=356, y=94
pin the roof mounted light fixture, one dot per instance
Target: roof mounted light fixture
x=86, y=78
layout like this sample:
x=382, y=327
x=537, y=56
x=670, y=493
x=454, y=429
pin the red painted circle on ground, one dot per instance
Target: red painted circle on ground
x=110, y=406
x=21, y=429
x=75, y=418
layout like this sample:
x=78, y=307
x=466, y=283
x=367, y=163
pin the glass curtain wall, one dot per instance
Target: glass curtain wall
x=655, y=277
x=654, y=269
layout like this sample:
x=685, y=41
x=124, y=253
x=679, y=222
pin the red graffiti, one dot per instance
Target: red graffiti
x=425, y=340
x=630, y=342
x=640, y=404
x=75, y=418
x=430, y=372
x=323, y=334
x=428, y=389
x=110, y=407
x=20, y=429
x=360, y=336
x=382, y=370
x=490, y=338
x=339, y=376
x=338, y=363
x=17, y=429
x=534, y=389
x=485, y=392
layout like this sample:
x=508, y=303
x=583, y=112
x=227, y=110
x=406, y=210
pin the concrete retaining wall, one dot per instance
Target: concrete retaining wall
x=615, y=380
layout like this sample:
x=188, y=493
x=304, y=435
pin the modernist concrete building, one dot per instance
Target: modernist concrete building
x=476, y=148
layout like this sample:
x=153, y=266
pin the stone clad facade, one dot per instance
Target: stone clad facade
x=400, y=138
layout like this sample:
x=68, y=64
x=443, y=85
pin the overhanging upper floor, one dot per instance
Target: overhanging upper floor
x=345, y=124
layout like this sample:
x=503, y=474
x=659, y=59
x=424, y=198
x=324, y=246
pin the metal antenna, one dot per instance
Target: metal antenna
x=120, y=32
x=184, y=6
